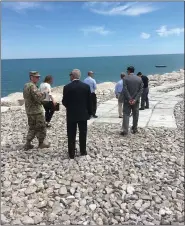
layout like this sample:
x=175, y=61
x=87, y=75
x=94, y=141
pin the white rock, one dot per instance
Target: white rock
x=130, y=189
x=117, y=183
x=63, y=190
x=4, y=109
x=138, y=204
x=162, y=212
x=92, y=207
x=6, y=184
x=30, y=190
x=123, y=206
x=83, y=202
x=144, y=207
x=72, y=190
x=108, y=190
x=27, y=220
x=4, y=220
x=38, y=219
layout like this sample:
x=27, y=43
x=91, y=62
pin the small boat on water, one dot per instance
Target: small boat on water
x=160, y=65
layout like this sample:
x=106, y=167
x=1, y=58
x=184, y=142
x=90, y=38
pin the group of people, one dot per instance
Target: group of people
x=144, y=97
x=128, y=91
x=80, y=101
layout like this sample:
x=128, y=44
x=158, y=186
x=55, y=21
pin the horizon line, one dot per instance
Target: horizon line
x=88, y=56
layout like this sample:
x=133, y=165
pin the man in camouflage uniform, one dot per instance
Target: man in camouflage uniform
x=34, y=110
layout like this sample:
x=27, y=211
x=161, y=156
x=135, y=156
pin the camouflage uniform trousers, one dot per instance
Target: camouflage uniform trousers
x=37, y=127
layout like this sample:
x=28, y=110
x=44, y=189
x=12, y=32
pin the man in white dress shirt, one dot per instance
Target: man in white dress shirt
x=118, y=90
x=92, y=83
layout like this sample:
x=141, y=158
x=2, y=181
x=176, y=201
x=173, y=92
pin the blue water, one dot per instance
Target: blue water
x=15, y=72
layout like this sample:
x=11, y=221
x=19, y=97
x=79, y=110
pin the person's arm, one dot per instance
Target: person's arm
x=64, y=99
x=138, y=95
x=89, y=102
x=116, y=90
x=50, y=95
x=36, y=94
x=125, y=91
x=147, y=80
x=94, y=85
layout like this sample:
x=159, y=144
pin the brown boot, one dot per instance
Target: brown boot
x=44, y=145
x=28, y=146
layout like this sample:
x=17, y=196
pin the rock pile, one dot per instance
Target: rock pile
x=134, y=180
x=104, y=90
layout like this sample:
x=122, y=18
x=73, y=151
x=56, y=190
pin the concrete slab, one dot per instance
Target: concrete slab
x=164, y=106
x=109, y=120
x=160, y=114
x=110, y=115
x=163, y=112
x=168, y=124
x=146, y=112
x=162, y=118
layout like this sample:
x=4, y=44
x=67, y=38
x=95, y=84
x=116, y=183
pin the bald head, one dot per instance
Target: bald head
x=75, y=74
x=90, y=73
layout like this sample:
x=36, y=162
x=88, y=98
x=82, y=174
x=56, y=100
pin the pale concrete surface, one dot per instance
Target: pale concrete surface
x=4, y=109
x=160, y=114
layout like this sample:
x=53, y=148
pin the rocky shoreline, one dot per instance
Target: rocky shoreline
x=128, y=181
x=104, y=90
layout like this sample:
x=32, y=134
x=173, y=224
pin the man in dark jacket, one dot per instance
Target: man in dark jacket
x=132, y=89
x=144, y=96
x=77, y=100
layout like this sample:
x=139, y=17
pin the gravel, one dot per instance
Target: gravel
x=134, y=180
x=171, y=89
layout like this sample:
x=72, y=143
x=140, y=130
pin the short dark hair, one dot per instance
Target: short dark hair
x=48, y=78
x=122, y=75
x=139, y=73
x=131, y=69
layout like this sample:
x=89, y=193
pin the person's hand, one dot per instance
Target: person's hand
x=117, y=96
x=132, y=102
x=54, y=103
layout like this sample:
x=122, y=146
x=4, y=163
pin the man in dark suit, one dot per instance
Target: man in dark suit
x=132, y=90
x=77, y=100
x=144, y=96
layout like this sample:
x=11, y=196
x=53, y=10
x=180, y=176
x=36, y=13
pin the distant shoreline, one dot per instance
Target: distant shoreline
x=102, y=88
x=92, y=56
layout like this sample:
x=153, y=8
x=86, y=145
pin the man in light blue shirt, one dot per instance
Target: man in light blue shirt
x=118, y=90
x=92, y=83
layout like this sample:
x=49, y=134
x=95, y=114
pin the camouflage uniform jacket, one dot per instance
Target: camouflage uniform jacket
x=33, y=99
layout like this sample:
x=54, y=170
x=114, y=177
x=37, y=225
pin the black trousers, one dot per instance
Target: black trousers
x=71, y=133
x=94, y=103
x=144, y=98
x=48, y=111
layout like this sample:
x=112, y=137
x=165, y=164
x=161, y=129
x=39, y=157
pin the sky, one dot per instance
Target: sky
x=84, y=29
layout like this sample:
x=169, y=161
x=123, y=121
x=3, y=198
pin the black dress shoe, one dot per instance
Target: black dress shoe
x=95, y=116
x=123, y=133
x=134, y=130
x=71, y=157
x=141, y=109
x=146, y=107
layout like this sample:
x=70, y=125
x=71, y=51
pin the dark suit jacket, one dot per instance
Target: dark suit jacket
x=77, y=100
x=132, y=87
